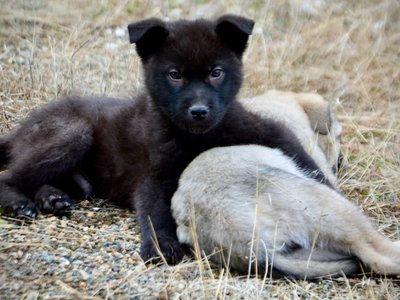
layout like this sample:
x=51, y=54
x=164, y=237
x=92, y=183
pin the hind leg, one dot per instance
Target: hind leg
x=47, y=199
x=379, y=253
x=343, y=226
x=373, y=249
x=41, y=153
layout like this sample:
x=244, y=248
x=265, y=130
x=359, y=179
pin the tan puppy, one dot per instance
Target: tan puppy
x=253, y=207
x=310, y=117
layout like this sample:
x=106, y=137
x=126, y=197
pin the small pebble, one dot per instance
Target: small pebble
x=84, y=275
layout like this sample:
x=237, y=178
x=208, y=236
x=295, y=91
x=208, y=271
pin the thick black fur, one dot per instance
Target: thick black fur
x=133, y=152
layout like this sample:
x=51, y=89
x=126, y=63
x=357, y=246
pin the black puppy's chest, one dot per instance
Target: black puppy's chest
x=175, y=154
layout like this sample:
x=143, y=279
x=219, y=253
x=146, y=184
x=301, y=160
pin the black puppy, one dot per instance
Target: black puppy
x=133, y=152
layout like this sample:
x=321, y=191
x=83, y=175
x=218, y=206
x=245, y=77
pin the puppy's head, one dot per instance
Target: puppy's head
x=192, y=69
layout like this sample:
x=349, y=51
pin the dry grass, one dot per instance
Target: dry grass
x=348, y=51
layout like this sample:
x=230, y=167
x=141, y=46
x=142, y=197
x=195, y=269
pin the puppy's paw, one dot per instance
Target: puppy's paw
x=14, y=203
x=166, y=248
x=22, y=208
x=52, y=200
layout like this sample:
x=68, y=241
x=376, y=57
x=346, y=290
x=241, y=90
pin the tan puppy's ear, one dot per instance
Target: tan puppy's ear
x=318, y=110
x=325, y=124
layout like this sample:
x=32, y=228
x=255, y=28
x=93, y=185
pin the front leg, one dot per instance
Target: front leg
x=158, y=228
x=253, y=129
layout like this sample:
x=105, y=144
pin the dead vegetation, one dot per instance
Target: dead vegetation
x=348, y=51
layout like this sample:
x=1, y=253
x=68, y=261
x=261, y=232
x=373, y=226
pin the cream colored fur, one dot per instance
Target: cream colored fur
x=254, y=208
x=310, y=117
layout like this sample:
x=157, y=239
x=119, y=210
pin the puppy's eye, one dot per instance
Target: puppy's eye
x=175, y=75
x=216, y=73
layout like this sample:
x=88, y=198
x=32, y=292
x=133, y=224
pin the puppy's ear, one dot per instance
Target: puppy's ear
x=234, y=31
x=148, y=35
x=318, y=110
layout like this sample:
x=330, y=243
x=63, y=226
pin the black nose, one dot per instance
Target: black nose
x=199, y=112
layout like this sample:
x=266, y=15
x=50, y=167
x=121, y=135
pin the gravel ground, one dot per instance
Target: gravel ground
x=93, y=254
x=93, y=251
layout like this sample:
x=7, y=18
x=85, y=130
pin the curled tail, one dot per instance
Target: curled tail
x=304, y=268
x=4, y=151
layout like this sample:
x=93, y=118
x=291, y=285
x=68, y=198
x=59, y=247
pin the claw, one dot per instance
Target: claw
x=53, y=198
x=30, y=212
x=18, y=206
x=62, y=205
